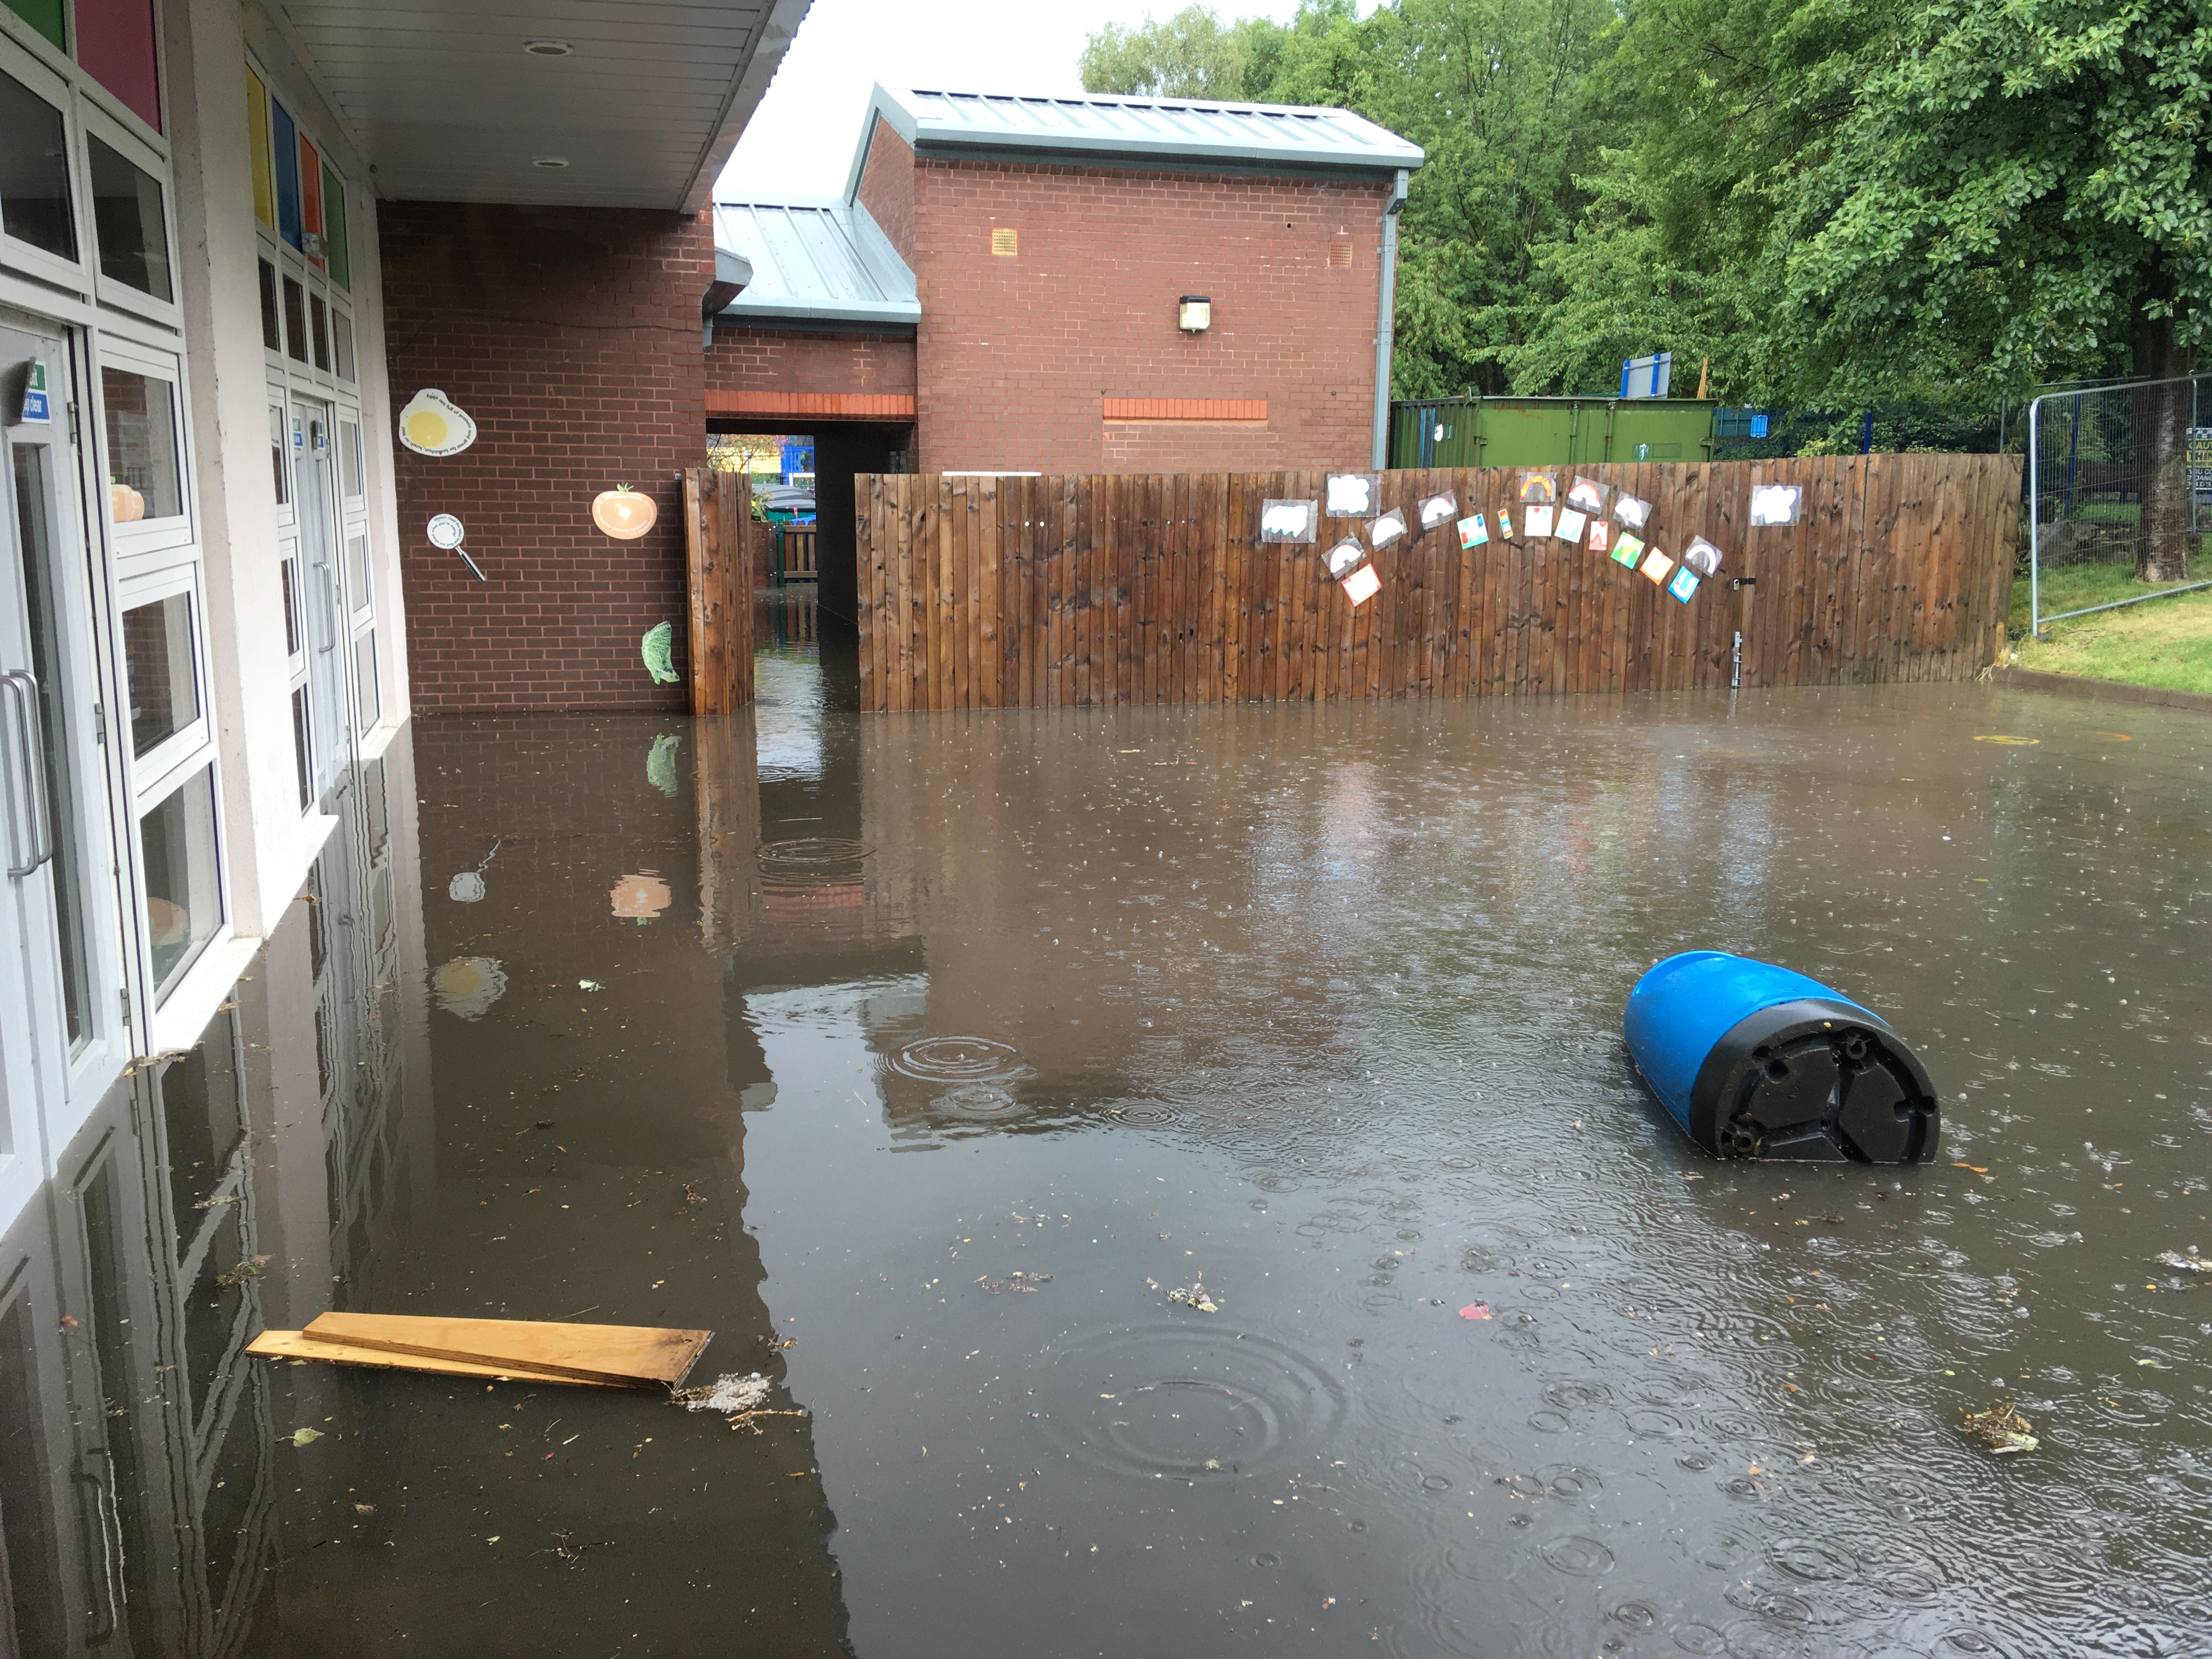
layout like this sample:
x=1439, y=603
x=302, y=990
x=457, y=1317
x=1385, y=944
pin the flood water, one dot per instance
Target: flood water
x=817, y=1029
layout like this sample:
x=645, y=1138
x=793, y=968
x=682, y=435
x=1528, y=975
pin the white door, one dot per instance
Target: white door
x=63, y=1022
x=330, y=729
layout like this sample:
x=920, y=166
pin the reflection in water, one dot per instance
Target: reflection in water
x=950, y=1056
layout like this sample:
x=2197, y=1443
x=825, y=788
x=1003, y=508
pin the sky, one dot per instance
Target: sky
x=801, y=140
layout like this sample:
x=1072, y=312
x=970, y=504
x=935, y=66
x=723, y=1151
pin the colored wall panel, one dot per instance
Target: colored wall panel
x=335, y=232
x=115, y=45
x=257, y=128
x=286, y=151
x=44, y=16
x=310, y=194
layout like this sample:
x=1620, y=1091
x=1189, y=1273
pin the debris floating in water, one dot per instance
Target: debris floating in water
x=742, y=1396
x=1475, y=1310
x=2190, y=1262
x=306, y=1437
x=2001, y=1429
x=1015, y=1281
x=244, y=1271
x=1196, y=1297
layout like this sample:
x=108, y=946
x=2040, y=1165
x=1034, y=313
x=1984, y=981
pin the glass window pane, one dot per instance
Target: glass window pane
x=276, y=451
x=257, y=144
x=364, y=657
x=35, y=196
x=126, y=213
x=272, y=335
x=357, y=569
x=184, y=899
x=115, y=45
x=295, y=319
x=341, y=339
x=144, y=481
x=157, y=651
x=300, y=747
x=285, y=152
x=291, y=568
x=318, y=317
x=349, y=457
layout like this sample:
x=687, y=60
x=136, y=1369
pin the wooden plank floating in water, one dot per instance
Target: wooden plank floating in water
x=298, y=1345
x=628, y=1355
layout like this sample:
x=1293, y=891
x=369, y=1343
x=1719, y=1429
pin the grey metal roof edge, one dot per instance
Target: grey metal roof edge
x=901, y=313
x=890, y=105
x=1170, y=161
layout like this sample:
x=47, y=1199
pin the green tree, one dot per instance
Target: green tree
x=1191, y=55
x=2025, y=184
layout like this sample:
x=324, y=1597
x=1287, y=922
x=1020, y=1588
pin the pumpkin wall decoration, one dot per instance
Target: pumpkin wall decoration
x=624, y=512
x=640, y=897
x=434, y=424
x=125, y=504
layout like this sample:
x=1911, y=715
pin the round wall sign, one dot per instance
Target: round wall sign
x=444, y=532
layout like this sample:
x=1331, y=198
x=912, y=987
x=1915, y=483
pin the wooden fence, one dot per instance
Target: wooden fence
x=719, y=637
x=1058, y=591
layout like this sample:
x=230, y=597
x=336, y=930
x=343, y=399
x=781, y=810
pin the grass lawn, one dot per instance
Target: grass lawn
x=2167, y=643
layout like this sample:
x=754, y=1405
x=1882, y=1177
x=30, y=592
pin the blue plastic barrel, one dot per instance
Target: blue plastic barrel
x=1753, y=1061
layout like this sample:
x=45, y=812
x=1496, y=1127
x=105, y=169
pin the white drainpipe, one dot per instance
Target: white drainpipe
x=1386, y=307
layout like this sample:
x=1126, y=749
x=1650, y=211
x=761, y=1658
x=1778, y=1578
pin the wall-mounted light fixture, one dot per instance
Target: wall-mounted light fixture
x=1194, y=315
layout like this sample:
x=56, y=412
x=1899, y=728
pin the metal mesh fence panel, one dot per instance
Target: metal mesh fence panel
x=2119, y=480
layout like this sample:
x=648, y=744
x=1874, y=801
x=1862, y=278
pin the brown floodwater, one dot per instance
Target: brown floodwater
x=817, y=1030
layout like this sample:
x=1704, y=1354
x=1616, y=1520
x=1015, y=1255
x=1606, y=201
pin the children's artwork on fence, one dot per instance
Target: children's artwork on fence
x=1627, y=550
x=1702, y=556
x=1571, y=525
x=1658, y=567
x=1601, y=536
x=1587, y=495
x=1632, y=510
x=1504, y=525
x=1345, y=555
x=1388, y=528
x=1473, y=532
x=1290, y=521
x=1775, y=504
x=1361, y=586
x=1539, y=487
x=1684, y=585
x=1537, y=521
x=1435, y=509
x=1351, y=495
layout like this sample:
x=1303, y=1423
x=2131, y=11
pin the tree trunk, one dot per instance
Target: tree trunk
x=2162, y=423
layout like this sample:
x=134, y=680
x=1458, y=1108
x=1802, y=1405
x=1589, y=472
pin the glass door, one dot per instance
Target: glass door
x=329, y=734
x=63, y=1017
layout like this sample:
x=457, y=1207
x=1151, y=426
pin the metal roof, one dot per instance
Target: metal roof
x=822, y=260
x=1189, y=129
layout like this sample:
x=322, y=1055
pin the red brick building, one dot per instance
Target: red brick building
x=1001, y=288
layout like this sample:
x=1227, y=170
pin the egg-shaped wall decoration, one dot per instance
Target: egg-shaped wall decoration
x=434, y=424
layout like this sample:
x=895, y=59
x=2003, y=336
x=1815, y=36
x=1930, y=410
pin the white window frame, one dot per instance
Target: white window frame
x=54, y=88
x=152, y=159
x=176, y=536
x=179, y=748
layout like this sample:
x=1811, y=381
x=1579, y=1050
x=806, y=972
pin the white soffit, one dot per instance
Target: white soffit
x=445, y=102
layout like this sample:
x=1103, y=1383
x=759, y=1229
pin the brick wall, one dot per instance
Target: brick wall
x=571, y=335
x=886, y=188
x=1016, y=355
x=747, y=360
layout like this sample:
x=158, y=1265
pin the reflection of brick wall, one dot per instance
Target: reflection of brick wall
x=571, y=335
x=1017, y=355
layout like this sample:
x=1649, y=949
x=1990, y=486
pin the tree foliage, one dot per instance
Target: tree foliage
x=1838, y=202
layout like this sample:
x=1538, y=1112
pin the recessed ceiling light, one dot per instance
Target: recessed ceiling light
x=554, y=161
x=548, y=48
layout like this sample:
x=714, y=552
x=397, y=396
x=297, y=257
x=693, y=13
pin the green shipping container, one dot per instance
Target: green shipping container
x=1550, y=431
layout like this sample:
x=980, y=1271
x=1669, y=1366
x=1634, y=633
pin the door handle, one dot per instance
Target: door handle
x=30, y=755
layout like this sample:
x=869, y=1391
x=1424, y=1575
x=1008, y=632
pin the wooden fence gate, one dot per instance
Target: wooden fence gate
x=717, y=508
x=1053, y=592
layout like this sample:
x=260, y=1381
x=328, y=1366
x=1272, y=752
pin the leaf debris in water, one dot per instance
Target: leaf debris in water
x=245, y=1270
x=2001, y=1429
